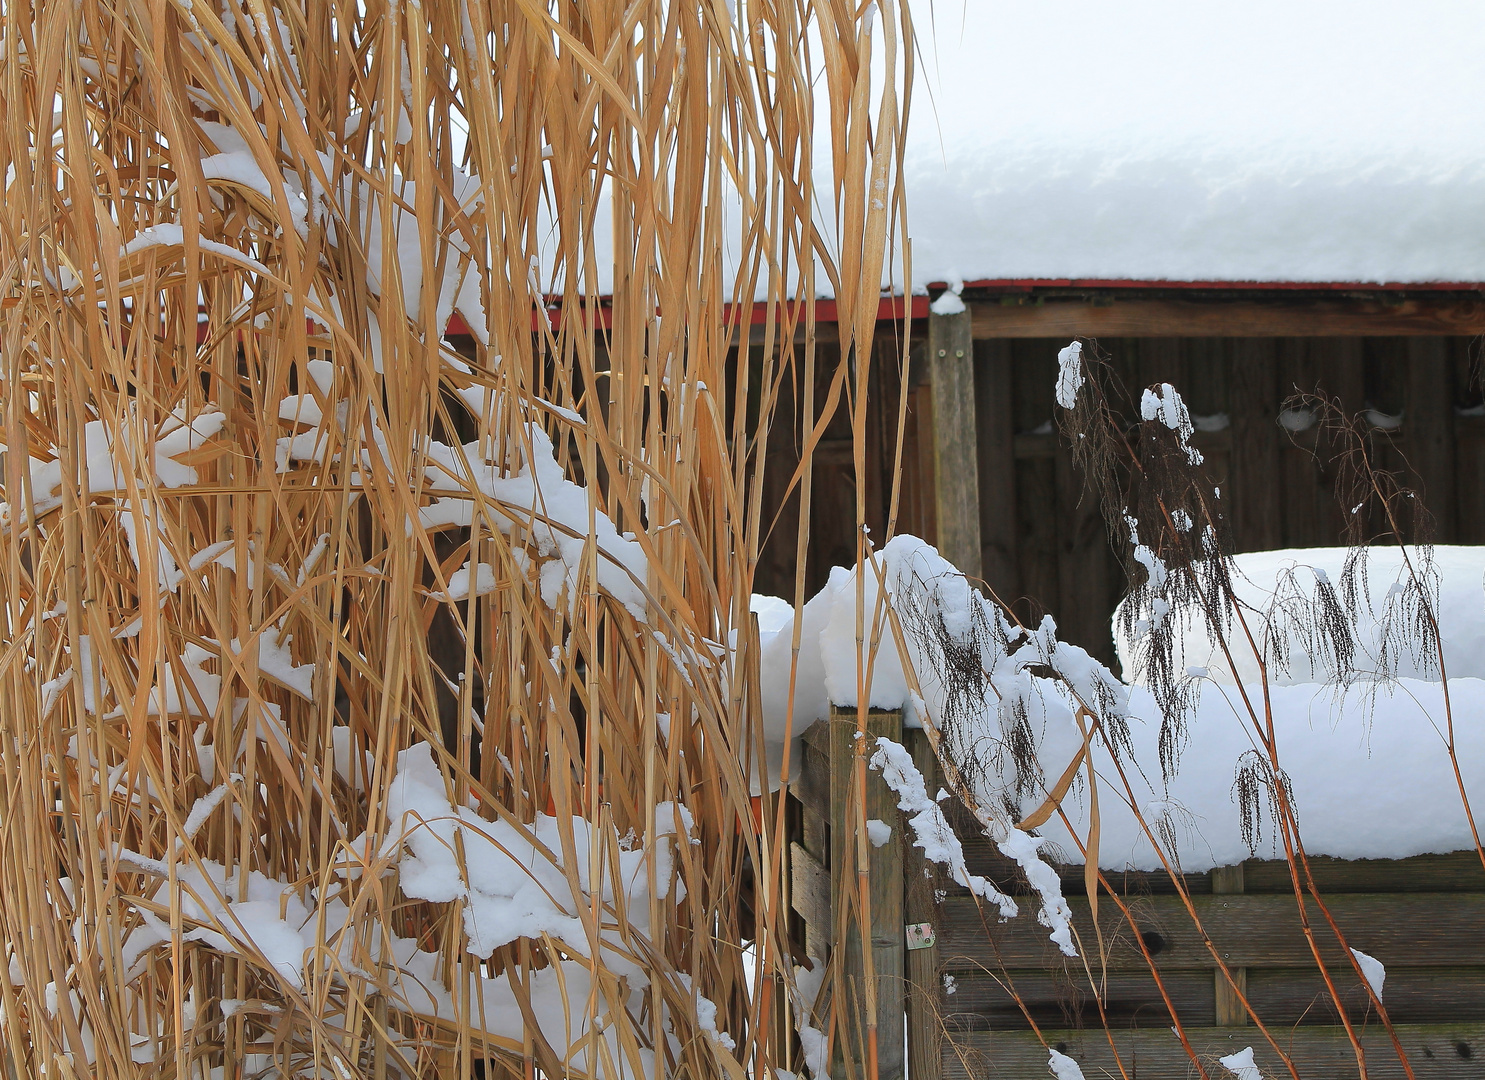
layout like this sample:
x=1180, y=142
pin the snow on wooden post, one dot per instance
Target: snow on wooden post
x=956, y=470
x=886, y=891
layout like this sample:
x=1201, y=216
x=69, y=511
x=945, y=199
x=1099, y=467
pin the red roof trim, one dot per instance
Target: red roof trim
x=894, y=308
x=891, y=308
x=1029, y=284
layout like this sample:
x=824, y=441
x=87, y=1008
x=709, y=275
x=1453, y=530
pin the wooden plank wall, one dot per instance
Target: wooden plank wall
x=1044, y=544
x=1421, y=917
x=973, y=997
x=833, y=494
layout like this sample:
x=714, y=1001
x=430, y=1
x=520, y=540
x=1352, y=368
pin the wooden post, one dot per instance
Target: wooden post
x=924, y=988
x=955, y=440
x=1230, y=1012
x=886, y=891
x=810, y=854
x=1429, y=425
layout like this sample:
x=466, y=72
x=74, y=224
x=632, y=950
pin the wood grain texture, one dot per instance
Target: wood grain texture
x=1255, y=501
x=811, y=786
x=925, y=988
x=884, y=935
x=955, y=440
x=809, y=893
x=1064, y=998
x=1429, y=420
x=996, y=424
x=1469, y=460
x=1282, y=996
x=1458, y=871
x=1071, y=318
x=1229, y=995
x=1417, y=929
x=1412, y=995
x=1436, y=1052
x=1086, y=567
x=811, y=780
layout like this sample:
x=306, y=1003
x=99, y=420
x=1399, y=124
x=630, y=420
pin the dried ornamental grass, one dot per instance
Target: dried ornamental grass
x=370, y=709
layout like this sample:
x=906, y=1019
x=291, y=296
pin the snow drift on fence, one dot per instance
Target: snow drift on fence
x=1370, y=774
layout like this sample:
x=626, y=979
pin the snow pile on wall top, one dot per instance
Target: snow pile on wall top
x=1370, y=776
x=1369, y=769
x=1285, y=581
x=1317, y=140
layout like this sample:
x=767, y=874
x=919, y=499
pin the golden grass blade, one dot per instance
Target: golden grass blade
x=322, y=631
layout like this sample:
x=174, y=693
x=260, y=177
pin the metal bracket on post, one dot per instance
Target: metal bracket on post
x=920, y=935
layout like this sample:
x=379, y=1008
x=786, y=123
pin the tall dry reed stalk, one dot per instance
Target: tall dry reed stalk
x=273, y=550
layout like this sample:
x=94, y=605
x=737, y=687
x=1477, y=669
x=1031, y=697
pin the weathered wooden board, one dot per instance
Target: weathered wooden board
x=1459, y=871
x=1032, y=445
x=881, y=936
x=1064, y=998
x=1469, y=459
x=1416, y=929
x=925, y=989
x=809, y=894
x=1284, y=996
x=1187, y=318
x=811, y=780
x=1435, y=1051
x=1255, y=503
x=1429, y=418
x=951, y=364
x=995, y=418
x=1412, y=995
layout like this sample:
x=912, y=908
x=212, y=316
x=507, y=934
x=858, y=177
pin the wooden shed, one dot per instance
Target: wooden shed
x=989, y=480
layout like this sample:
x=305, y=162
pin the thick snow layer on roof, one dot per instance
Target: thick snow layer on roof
x=1299, y=140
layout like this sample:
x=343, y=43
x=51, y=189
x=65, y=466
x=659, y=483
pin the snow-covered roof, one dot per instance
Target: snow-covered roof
x=1190, y=140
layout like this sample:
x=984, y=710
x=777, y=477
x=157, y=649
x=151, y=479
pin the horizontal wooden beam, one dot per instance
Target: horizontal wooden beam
x=1281, y=997
x=1418, y=929
x=1075, y=317
x=1435, y=1051
x=1456, y=872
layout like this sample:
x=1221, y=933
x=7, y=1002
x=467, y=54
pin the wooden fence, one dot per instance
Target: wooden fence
x=1423, y=918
